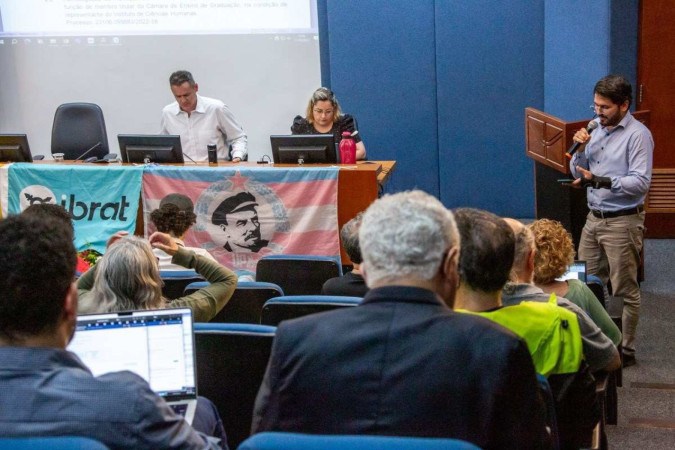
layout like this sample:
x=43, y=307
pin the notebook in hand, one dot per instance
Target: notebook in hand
x=158, y=345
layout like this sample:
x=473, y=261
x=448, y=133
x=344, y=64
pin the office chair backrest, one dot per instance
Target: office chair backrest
x=298, y=274
x=175, y=282
x=246, y=303
x=231, y=363
x=278, y=309
x=296, y=441
x=50, y=443
x=77, y=128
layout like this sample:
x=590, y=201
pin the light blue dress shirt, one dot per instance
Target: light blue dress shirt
x=625, y=155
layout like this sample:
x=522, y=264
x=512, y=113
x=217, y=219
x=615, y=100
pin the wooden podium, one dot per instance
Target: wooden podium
x=547, y=139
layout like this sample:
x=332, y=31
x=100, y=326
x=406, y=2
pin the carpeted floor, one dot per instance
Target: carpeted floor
x=647, y=398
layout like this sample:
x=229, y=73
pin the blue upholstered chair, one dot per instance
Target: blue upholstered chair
x=298, y=274
x=296, y=441
x=175, y=282
x=231, y=363
x=246, y=303
x=50, y=443
x=291, y=306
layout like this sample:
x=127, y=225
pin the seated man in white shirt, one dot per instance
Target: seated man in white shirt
x=202, y=121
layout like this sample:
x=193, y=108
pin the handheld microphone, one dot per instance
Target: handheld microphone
x=88, y=151
x=592, y=125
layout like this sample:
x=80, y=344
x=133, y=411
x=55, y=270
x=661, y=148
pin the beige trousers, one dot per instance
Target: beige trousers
x=611, y=249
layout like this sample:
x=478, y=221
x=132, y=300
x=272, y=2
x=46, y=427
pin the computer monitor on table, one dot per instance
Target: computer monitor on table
x=304, y=149
x=14, y=148
x=150, y=148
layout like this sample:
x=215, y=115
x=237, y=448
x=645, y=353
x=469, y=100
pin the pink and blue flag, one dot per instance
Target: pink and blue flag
x=246, y=213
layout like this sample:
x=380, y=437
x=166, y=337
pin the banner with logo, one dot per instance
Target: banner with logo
x=246, y=213
x=4, y=170
x=101, y=199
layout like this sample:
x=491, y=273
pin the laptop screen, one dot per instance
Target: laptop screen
x=158, y=345
x=576, y=270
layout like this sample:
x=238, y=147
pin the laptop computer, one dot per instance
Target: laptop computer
x=576, y=270
x=158, y=345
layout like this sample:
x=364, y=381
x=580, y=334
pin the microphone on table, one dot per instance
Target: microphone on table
x=88, y=151
x=592, y=125
x=186, y=156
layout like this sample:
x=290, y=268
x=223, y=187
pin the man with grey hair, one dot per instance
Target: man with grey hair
x=202, y=121
x=600, y=352
x=403, y=363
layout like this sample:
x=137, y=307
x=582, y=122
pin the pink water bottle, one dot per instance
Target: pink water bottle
x=347, y=149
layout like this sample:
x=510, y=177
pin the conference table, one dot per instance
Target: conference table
x=358, y=184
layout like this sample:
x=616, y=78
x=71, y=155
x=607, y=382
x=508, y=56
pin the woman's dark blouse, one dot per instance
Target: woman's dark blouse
x=345, y=123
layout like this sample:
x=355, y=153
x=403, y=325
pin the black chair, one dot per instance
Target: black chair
x=278, y=309
x=298, y=274
x=77, y=128
x=175, y=282
x=231, y=363
x=246, y=303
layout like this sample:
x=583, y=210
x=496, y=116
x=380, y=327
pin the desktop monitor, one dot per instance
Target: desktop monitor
x=304, y=149
x=150, y=148
x=14, y=148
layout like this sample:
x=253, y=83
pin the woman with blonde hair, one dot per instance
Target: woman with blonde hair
x=324, y=116
x=554, y=253
x=127, y=278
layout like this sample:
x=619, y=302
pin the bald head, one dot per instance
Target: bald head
x=523, y=261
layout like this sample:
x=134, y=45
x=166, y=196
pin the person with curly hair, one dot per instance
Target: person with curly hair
x=555, y=252
x=175, y=216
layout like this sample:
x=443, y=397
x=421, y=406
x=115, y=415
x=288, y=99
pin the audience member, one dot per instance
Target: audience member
x=47, y=390
x=551, y=332
x=51, y=211
x=352, y=283
x=554, y=253
x=324, y=116
x=403, y=363
x=175, y=216
x=599, y=351
x=202, y=121
x=127, y=278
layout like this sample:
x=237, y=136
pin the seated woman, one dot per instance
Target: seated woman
x=555, y=252
x=323, y=116
x=175, y=216
x=127, y=278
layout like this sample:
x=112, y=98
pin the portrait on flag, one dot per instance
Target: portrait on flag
x=246, y=213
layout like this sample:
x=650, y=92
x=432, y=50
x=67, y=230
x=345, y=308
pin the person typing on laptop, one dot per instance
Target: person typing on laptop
x=47, y=391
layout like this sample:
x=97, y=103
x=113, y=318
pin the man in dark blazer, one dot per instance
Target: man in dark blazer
x=402, y=363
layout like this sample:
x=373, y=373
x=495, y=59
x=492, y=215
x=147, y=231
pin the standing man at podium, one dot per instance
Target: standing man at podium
x=615, y=167
x=202, y=121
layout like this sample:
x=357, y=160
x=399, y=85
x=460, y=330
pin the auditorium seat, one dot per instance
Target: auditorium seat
x=231, y=363
x=50, y=443
x=297, y=441
x=246, y=303
x=288, y=307
x=174, y=282
x=77, y=128
x=298, y=274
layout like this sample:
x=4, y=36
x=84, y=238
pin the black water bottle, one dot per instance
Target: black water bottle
x=213, y=154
